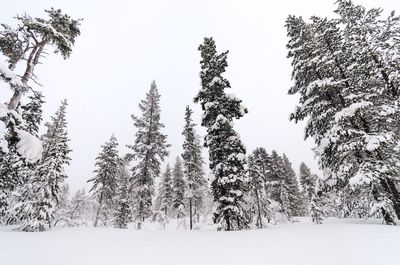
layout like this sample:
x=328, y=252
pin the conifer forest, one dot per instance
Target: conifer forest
x=131, y=133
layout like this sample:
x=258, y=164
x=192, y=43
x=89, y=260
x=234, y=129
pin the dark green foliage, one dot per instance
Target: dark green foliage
x=179, y=187
x=165, y=193
x=105, y=181
x=42, y=194
x=226, y=151
x=149, y=150
x=343, y=70
x=258, y=168
x=123, y=211
x=193, y=167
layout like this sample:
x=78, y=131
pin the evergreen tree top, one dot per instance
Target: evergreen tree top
x=189, y=124
x=107, y=166
x=148, y=135
x=56, y=136
x=60, y=29
x=212, y=96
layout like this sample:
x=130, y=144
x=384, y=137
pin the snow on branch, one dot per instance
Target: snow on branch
x=9, y=76
x=3, y=142
x=351, y=110
x=29, y=146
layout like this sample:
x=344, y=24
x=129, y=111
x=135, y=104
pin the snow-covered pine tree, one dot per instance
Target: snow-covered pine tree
x=123, y=211
x=14, y=170
x=42, y=194
x=32, y=113
x=64, y=198
x=202, y=195
x=105, y=181
x=226, y=151
x=10, y=177
x=276, y=184
x=350, y=105
x=179, y=188
x=193, y=167
x=295, y=202
x=258, y=166
x=80, y=210
x=275, y=174
x=165, y=193
x=375, y=50
x=63, y=207
x=26, y=44
x=149, y=150
x=308, y=183
x=353, y=202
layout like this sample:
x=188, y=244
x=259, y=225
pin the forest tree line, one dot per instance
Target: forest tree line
x=346, y=72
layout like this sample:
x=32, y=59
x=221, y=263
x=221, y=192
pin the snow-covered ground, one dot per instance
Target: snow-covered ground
x=343, y=242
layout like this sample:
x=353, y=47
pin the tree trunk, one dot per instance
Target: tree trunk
x=139, y=225
x=31, y=62
x=190, y=214
x=259, y=221
x=228, y=224
x=386, y=216
x=390, y=187
x=98, y=209
x=97, y=217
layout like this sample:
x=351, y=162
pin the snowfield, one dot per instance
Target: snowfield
x=335, y=242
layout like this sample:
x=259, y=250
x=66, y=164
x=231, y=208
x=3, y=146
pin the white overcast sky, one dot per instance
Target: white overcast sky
x=124, y=45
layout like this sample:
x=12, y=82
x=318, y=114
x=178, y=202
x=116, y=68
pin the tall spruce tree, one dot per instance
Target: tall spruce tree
x=179, y=187
x=295, y=202
x=149, y=150
x=105, y=181
x=375, y=50
x=165, y=193
x=14, y=169
x=201, y=191
x=258, y=167
x=226, y=151
x=275, y=177
x=308, y=183
x=42, y=195
x=340, y=69
x=123, y=211
x=193, y=167
x=277, y=185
